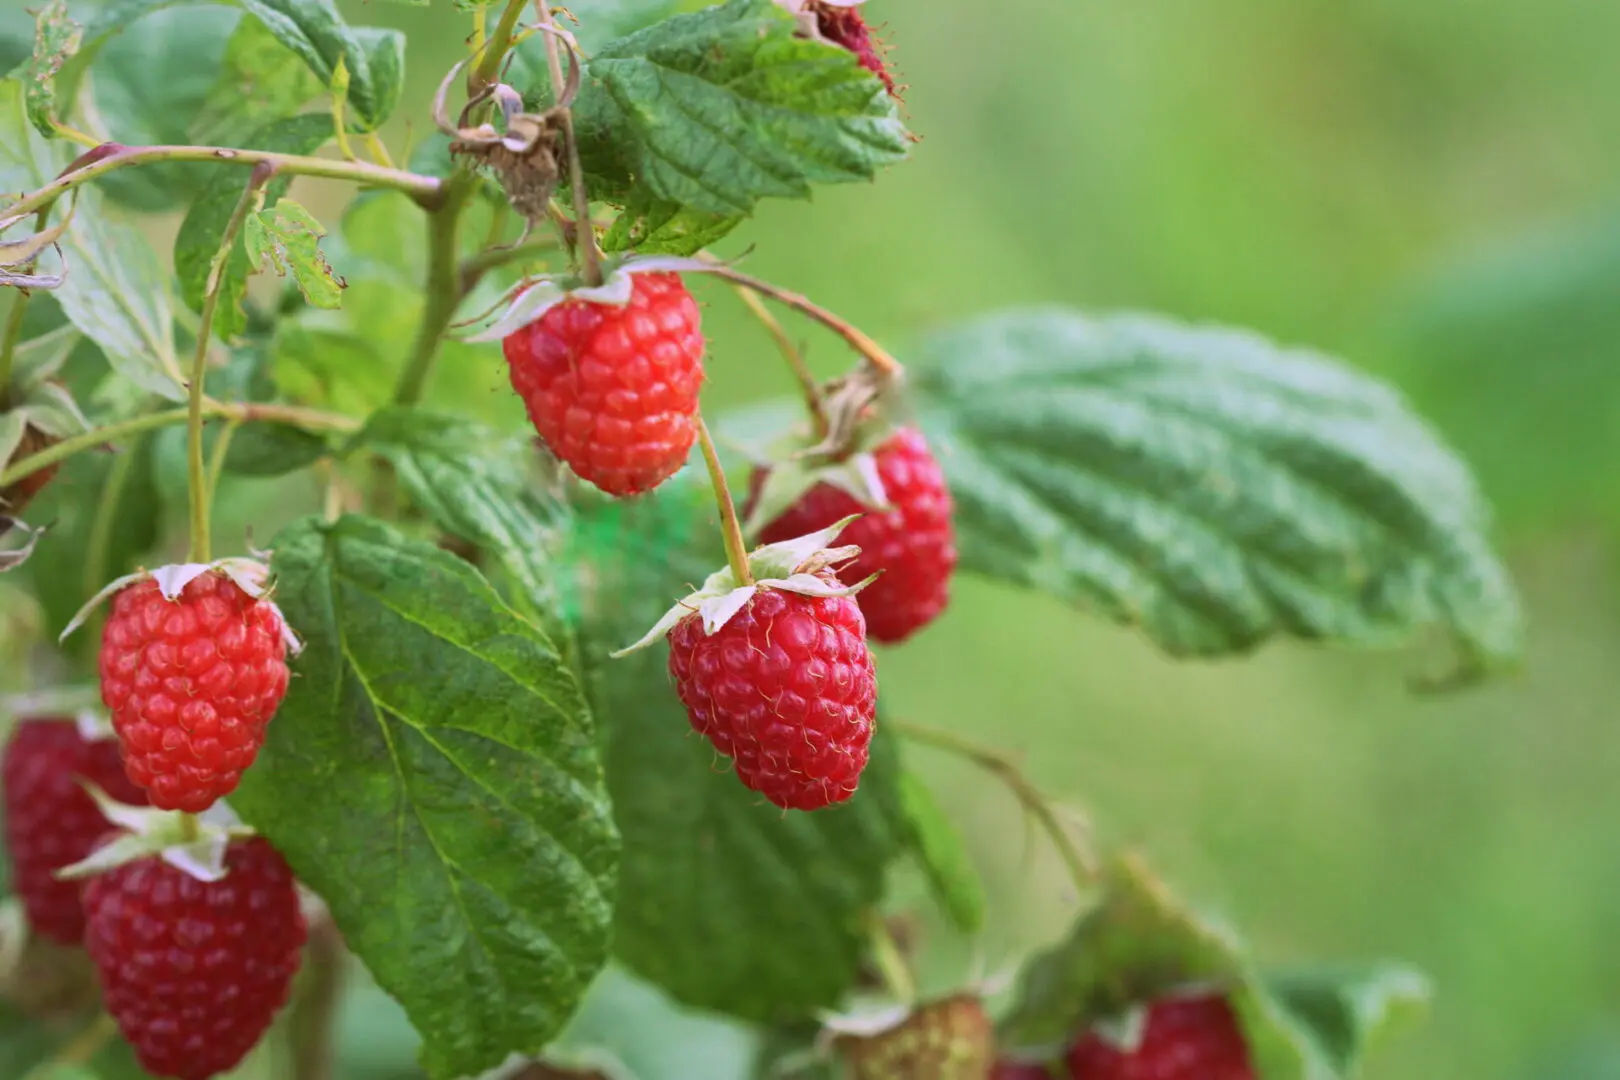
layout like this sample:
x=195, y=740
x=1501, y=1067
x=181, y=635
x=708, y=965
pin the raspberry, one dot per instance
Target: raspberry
x=1185, y=1039
x=194, y=971
x=787, y=690
x=51, y=820
x=950, y=1039
x=913, y=544
x=1021, y=1070
x=191, y=683
x=612, y=390
x=845, y=27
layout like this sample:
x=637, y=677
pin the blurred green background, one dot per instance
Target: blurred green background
x=1431, y=190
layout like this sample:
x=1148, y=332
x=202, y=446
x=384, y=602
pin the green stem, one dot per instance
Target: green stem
x=891, y=965
x=190, y=828
x=474, y=267
x=100, y=541
x=498, y=45
x=196, y=474
x=585, y=235
x=222, y=449
x=8, y=343
x=736, y=549
x=426, y=190
x=313, y=1016
x=795, y=359
x=1082, y=868
x=308, y=419
x=443, y=289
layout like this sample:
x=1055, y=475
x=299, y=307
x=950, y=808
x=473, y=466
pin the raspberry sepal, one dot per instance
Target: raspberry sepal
x=193, y=843
x=249, y=575
x=529, y=301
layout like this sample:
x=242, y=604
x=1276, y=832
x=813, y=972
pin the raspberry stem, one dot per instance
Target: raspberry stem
x=586, y=235
x=1081, y=865
x=444, y=292
x=731, y=527
x=891, y=964
x=197, y=479
x=795, y=359
x=499, y=44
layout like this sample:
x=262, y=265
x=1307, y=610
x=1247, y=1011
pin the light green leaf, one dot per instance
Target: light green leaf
x=286, y=239
x=149, y=84
x=198, y=240
x=665, y=228
x=27, y=161
x=716, y=110
x=260, y=81
x=1139, y=943
x=943, y=857
x=433, y=775
x=56, y=37
x=1209, y=487
x=117, y=294
x=1344, y=1012
x=725, y=902
x=471, y=482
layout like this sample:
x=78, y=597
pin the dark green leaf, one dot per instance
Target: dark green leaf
x=1346, y=1012
x=56, y=37
x=316, y=31
x=272, y=450
x=944, y=859
x=471, y=482
x=260, y=81
x=665, y=228
x=433, y=775
x=716, y=110
x=1209, y=487
x=285, y=239
x=200, y=234
x=725, y=902
x=150, y=84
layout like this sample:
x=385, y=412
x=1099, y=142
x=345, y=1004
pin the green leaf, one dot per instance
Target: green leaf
x=725, y=902
x=716, y=110
x=1139, y=943
x=27, y=161
x=56, y=37
x=1209, y=487
x=260, y=81
x=204, y=227
x=1346, y=1011
x=117, y=294
x=286, y=239
x=151, y=82
x=665, y=228
x=433, y=775
x=943, y=857
x=471, y=482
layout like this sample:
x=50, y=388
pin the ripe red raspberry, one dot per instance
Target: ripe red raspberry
x=613, y=390
x=194, y=971
x=51, y=821
x=844, y=26
x=191, y=683
x=1022, y=1070
x=913, y=544
x=1195, y=1038
x=787, y=690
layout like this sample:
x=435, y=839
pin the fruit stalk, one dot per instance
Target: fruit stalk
x=499, y=44
x=586, y=235
x=790, y=352
x=444, y=291
x=196, y=475
x=736, y=549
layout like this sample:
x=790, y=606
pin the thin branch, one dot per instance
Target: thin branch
x=222, y=450
x=874, y=353
x=294, y=415
x=1082, y=866
x=8, y=342
x=736, y=548
x=498, y=44
x=444, y=292
x=586, y=235
x=426, y=190
x=891, y=963
x=790, y=352
x=474, y=267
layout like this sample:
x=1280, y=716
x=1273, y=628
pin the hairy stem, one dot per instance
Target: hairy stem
x=444, y=291
x=795, y=359
x=313, y=1016
x=498, y=44
x=874, y=353
x=296, y=416
x=1082, y=866
x=426, y=190
x=585, y=235
x=736, y=549
x=197, y=477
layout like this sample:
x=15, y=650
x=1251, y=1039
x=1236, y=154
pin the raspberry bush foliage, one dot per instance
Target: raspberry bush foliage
x=431, y=732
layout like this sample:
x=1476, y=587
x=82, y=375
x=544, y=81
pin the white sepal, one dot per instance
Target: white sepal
x=865, y=1022
x=57, y=701
x=531, y=300
x=789, y=566
x=195, y=846
x=786, y=482
x=250, y=575
x=1123, y=1031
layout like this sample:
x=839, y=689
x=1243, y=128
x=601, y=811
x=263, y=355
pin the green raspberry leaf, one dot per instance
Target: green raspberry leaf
x=286, y=239
x=716, y=110
x=1209, y=487
x=1139, y=943
x=56, y=37
x=726, y=902
x=198, y=240
x=433, y=775
x=658, y=227
x=260, y=80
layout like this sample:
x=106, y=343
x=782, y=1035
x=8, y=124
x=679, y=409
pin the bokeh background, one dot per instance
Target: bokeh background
x=1431, y=190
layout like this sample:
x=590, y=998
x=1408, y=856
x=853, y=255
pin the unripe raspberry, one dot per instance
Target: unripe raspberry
x=613, y=389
